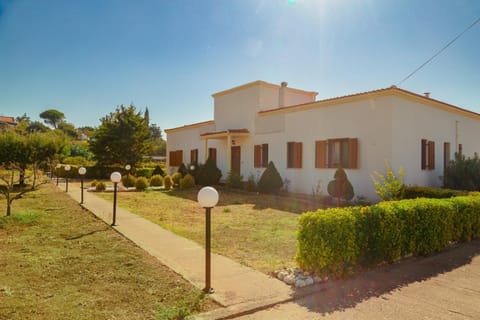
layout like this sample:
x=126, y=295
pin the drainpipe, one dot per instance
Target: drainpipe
x=281, y=94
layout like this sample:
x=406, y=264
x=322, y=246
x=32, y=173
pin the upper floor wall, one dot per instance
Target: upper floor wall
x=237, y=108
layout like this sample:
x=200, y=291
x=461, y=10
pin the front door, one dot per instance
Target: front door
x=235, y=161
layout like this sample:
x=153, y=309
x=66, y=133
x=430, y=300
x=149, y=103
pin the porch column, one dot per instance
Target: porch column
x=205, y=148
x=229, y=153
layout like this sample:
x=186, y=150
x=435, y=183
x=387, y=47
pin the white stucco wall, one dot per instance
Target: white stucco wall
x=389, y=127
x=187, y=139
x=413, y=121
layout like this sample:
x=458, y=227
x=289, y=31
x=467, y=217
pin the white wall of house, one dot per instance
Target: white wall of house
x=388, y=124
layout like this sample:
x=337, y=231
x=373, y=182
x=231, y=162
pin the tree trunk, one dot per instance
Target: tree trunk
x=9, y=208
x=21, y=178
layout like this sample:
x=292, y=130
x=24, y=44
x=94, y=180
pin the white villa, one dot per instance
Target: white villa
x=306, y=139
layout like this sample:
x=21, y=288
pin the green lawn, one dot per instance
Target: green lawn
x=256, y=230
x=59, y=262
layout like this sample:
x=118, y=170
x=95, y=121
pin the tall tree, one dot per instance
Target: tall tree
x=52, y=117
x=122, y=138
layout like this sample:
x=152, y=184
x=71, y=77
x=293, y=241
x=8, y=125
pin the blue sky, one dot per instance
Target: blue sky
x=86, y=57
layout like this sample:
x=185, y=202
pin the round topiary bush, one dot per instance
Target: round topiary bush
x=158, y=170
x=100, y=186
x=156, y=181
x=209, y=174
x=141, y=184
x=340, y=187
x=270, y=181
x=168, y=182
x=187, y=182
x=128, y=180
x=176, y=177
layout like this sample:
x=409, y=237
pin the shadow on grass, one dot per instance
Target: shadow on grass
x=343, y=294
x=285, y=202
x=86, y=234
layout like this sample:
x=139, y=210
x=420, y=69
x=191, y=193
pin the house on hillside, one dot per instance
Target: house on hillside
x=6, y=122
x=306, y=139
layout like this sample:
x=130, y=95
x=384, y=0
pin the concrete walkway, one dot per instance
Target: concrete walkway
x=237, y=287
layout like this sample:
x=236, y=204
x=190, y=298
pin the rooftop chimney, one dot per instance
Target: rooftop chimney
x=427, y=94
x=281, y=94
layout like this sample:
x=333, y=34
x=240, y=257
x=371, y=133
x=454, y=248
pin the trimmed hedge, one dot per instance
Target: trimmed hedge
x=339, y=241
x=413, y=192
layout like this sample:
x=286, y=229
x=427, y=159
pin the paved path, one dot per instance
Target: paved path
x=238, y=288
x=441, y=286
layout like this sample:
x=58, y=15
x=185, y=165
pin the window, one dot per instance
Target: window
x=260, y=156
x=212, y=154
x=335, y=153
x=194, y=156
x=294, y=154
x=428, y=155
x=176, y=158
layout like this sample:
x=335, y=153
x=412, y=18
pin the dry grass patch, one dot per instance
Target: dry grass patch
x=256, y=230
x=59, y=262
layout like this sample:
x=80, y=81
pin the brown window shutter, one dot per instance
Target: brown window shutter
x=257, y=156
x=460, y=149
x=431, y=155
x=171, y=158
x=320, y=152
x=265, y=155
x=424, y=154
x=179, y=157
x=353, y=153
x=298, y=155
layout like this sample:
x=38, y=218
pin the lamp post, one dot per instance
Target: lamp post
x=128, y=167
x=67, y=168
x=81, y=172
x=207, y=197
x=115, y=177
x=58, y=166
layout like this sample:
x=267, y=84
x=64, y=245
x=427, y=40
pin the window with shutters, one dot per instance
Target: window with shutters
x=212, y=154
x=175, y=158
x=428, y=154
x=194, y=156
x=335, y=153
x=260, y=155
x=294, y=155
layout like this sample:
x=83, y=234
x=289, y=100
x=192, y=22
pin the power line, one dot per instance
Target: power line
x=440, y=51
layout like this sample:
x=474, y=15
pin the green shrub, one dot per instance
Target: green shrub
x=100, y=186
x=463, y=173
x=388, y=186
x=168, y=182
x=413, y=192
x=156, y=180
x=251, y=185
x=93, y=183
x=158, y=170
x=144, y=172
x=234, y=180
x=182, y=170
x=187, y=182
x=270, y=181
x=141, y=184
x=208, y=174
x=338, y=241
x=129, y=181
x=176, y=177
x=340, y=187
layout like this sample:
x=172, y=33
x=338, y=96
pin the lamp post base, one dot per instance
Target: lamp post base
x=208, y=290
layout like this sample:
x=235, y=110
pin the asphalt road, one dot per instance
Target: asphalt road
x=440, y=286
